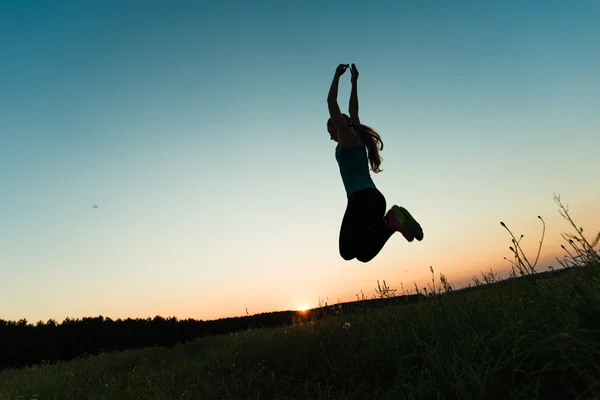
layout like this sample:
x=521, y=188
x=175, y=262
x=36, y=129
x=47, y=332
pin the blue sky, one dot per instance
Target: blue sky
x=198, y=128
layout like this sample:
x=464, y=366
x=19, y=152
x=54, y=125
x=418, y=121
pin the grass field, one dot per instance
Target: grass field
x=530, y=339
x=535, y=337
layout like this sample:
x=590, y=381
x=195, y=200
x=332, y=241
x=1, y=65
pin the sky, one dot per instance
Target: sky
x=198, y=131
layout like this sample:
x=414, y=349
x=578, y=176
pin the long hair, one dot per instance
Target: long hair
x=372, y=141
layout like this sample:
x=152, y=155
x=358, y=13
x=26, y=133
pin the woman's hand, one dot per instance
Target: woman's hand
x=341, y=69
x=354, y=73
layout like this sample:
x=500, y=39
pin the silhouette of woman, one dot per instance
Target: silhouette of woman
x=365, y=229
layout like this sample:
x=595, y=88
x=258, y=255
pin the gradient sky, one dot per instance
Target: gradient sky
x=198, y=128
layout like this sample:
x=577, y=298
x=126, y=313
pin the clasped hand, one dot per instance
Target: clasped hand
x=341, y=69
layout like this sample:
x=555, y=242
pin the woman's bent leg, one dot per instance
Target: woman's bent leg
x=348, y=230
x=364, y=231
x=375, y=235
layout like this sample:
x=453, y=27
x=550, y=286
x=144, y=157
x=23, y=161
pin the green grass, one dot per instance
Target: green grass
x=530, y=339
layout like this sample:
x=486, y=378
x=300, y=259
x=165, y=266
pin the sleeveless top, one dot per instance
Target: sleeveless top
x=354, y=167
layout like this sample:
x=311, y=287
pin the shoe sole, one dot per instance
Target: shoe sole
x=406, y=219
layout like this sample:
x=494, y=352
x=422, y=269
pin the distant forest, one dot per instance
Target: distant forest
x=23, y=344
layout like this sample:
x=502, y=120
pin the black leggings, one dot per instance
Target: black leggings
x=364, y=232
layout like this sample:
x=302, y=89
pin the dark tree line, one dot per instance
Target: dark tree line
x=24, y=344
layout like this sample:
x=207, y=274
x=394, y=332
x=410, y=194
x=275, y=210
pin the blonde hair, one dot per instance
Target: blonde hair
x=372, y=141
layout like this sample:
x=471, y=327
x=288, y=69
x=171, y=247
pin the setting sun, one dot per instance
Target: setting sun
x=302, y=308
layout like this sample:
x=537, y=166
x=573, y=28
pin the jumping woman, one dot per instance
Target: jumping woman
x=365, y=229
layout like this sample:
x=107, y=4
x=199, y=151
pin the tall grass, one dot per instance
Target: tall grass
x=524, y=339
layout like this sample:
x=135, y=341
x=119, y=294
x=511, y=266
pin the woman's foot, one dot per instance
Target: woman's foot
x=399, y=219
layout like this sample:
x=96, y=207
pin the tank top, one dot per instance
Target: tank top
x=354, y=167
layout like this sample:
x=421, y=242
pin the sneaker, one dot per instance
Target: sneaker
x=399, y=219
